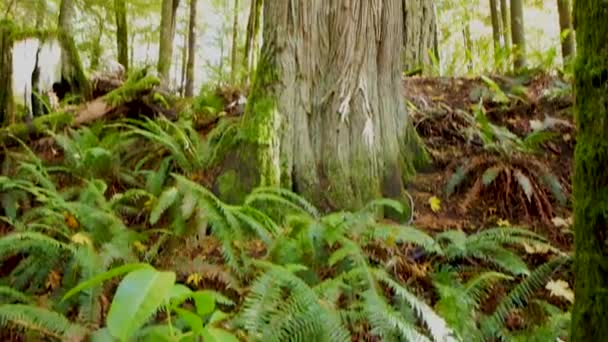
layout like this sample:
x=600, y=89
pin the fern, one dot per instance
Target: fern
x=41, y=320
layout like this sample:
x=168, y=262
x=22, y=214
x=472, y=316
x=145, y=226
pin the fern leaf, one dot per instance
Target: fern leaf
x=9, y=294
x=166, y=199
x=490, y=175
x=38, y=319
x=456, y=180
x=525, y=184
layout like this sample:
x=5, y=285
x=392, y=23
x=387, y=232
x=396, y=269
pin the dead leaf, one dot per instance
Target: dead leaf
x=82, y=239
x=503, y=223
x=536, y=248
x=561, y=222
x=560, y=288
x=53, y=280
x=435, y=204
x=194, y=279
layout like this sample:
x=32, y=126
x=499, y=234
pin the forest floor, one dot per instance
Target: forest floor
x=437, y=103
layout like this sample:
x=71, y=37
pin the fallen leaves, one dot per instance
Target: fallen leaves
x=560, y=288
x=435, y=204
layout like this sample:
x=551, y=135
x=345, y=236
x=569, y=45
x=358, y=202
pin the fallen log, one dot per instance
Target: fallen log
x=135, y=97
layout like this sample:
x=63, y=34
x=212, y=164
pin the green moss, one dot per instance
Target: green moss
x=231, y=189
x=39, y=125
x=590, y=183
x=6, y=71
x=131, y=89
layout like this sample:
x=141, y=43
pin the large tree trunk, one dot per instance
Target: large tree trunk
x=496, y=29
x=122, y=39
x=518, y=33
x=420, y=36
x=72, y=73
x=40, y=13
x=565, y=25
x=235, y=36
x=253, y=28
x=6, y=73
x=326, y=115
x=590, y=181
x=189, y=91
x=167, y=33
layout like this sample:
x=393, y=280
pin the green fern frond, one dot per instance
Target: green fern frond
x=23, y=242
x=166, y=199
x=456, y=179
x=436, y=325
x=521, y=293
x=9, y=295
x=283, y=197
x=405, y=234
x=41, y=320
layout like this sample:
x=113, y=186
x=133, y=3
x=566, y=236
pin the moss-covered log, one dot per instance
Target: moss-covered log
x=590, y=182
x=6, y=72
x=326, y=115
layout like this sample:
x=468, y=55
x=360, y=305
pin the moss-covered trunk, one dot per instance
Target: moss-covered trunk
x=122, y=40
x=496, y=29
x=253, y=28
x=590, y=182
x=326, y=116
x=6, y=72
x=167, y=33
x=518, y=34
x=189, y=91
x=72, y=72
x=420, y=36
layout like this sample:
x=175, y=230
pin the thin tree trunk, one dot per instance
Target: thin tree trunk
x=235, y=34
x=182, y=81
x=167, y=34
x=590, y=186
x=122, y=40
x=6, y=73
x=97, y=49
x=189, y=91
x=565, y=25
x=326, y=114
x=253, y=28
x=506, y=24
x=420, y=35
x=468, y=46
x=518, y=33
x=72, y=71
x=496, y=29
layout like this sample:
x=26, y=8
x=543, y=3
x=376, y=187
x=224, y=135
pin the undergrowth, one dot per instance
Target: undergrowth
x=130, y=194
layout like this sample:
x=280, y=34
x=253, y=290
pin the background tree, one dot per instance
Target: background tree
x=566, y=29
x=167, y=34
x=326, y=114
x=6, y=71
x=235, y=35
x=496, y=28
x=189, y=91
x=518, y=33
x=251, y=36
x=420, y=36
x=122, y=40
x=506, y=24
x=72, y=71
x=590, y=188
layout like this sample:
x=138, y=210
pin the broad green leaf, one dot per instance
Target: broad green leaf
x=194, y=321
x=205, y=302
x=179, y=293
x=138, y=297
x=102, y=335
x=220, y=335
x=98, y=279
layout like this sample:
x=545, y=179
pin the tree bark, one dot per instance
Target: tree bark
x=253, y=28
x=167, y=33
x=565, y=25
x=189, y=91
x=420, y=37
x=496, y=29
x=6, y=73
x=40, y=13
x=182, y=81
x=72, y=71
x=590, y=181
x=326, y=115
x=122, y=39
x=468, y=45
x=235, y=36
x=518, y=33
x=506, y=25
